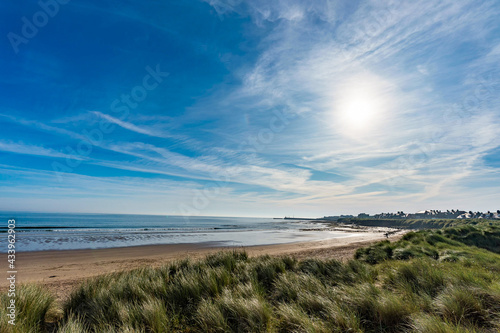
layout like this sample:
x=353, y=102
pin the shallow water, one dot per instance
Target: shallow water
x=42, y=231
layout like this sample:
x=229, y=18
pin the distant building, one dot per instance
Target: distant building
x=479, y=215
x=336, y=217
x=426, y=214
x=331, y=218
x=436, y=214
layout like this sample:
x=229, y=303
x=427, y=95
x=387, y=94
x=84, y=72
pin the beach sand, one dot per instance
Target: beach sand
x=61, y=271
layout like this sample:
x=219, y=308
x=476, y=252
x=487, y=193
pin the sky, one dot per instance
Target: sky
x=249, y=108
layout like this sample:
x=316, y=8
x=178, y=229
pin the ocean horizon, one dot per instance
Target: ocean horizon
x=66, y=231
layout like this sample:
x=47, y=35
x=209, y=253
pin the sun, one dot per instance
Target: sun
x=359, y=111
x=361, y=105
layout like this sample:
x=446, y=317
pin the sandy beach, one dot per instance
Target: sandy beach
x=60, y=271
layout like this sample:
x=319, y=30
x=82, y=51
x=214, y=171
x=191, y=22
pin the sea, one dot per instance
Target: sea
x=61, y=231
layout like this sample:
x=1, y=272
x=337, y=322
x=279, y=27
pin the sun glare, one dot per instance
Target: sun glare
x=361, y=105
x=358, y=112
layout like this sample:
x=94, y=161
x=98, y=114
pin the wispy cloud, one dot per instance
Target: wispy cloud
x=376, y=42
x=131, y=127
x=326, y=106
x=21, y=148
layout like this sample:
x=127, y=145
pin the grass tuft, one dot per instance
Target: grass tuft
x=34, y=308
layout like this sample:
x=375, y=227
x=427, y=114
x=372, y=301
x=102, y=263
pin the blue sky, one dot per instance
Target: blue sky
x=258, y=108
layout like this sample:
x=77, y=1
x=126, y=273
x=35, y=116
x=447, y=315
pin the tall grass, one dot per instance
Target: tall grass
x=427, y=323
x=469, y=306
x=235, y=313
x=406, y=286
x=35, y=310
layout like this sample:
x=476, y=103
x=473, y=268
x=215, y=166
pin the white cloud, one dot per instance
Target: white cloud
x=131, y=127
x=421, y=145
x=304, y=64
x=26, y=149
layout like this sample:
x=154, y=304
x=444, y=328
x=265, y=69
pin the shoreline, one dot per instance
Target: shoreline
x=62, y=270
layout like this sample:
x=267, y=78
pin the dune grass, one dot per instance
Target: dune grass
x=430, y=281
x=35, y=310
x=412, y=223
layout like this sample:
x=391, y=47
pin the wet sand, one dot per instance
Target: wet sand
x=60, y=271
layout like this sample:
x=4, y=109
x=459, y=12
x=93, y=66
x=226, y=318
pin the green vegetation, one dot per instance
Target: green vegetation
x=429, y=281
x=450, y=244
x=35, y=309
x=413, y=223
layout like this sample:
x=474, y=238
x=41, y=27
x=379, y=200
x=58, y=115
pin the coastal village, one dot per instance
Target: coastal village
x=426, y=214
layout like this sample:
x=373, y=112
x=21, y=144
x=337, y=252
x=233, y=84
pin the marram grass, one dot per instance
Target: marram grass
x=430, y=281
